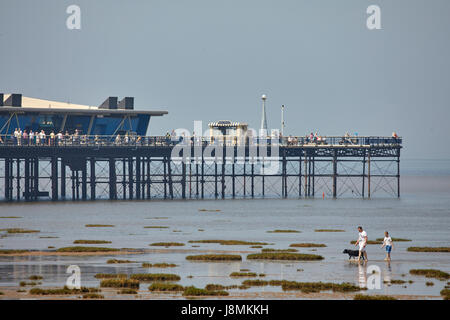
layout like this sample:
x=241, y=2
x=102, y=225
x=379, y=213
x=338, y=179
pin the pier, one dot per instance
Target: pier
x=101, y=167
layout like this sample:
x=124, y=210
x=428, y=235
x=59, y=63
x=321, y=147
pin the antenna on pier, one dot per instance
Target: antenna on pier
x=263, y=131
x=282, y=119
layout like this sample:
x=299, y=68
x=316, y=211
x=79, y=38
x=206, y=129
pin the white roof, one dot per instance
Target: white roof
x=41, y=103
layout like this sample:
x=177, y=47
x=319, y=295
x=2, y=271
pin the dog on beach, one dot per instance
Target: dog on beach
x=352, y=254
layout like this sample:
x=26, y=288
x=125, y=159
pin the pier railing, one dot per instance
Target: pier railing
x=117, y=140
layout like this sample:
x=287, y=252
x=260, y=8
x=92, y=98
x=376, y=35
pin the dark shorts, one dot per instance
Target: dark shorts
x=388, y=249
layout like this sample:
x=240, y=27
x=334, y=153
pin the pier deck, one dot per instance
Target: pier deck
x=92, y=168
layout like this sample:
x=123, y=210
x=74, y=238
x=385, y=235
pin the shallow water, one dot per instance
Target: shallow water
x=420, y=215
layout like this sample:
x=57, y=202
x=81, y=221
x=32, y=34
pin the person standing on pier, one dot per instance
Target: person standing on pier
x=362, y=242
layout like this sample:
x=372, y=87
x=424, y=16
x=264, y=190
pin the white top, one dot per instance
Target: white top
x=387, y=241
x=362, y=236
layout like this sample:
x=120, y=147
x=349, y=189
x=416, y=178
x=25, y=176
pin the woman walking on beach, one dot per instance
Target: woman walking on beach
x=388, y=243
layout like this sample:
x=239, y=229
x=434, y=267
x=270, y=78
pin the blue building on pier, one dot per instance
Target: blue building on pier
x=109, y=118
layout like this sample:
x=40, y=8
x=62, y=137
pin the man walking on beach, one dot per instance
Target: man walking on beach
x=362, y=242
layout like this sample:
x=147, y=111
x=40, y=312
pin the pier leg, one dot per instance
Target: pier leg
x=92, y=178
x=253, y=179
x=203, y=178
x=233, y=178
x=223, y=173
x=27, y=179
x=313, y=176
x=18, y=179
x=130, y=178
x=54, y=164
x=73, y=185
x=143, y=179
x=283, y=175
x=245, y=177
x=196, y=178
x=334, y=174
x=84, y=180
x=112, y=179
x=300, y=175
x=363, y=174
x=124, y=178
x=63, y=179
x=169, y=168
x=77, y=180
x=7, y=179
x=216, y=194
x=138, y=177
x=263, y=177
x=190, y=177
x=165, y=177
x=148, y=178
x=183, y=178
x=305, y=189
x=368, y=175
x=398, y=173
x=36, y=178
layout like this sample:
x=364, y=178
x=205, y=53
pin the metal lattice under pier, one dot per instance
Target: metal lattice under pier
x=30, y=173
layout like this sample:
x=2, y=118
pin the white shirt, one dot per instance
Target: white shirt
x=362, y=236
x=387, y=241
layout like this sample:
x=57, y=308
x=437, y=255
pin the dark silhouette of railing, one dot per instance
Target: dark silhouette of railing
x=117, y=140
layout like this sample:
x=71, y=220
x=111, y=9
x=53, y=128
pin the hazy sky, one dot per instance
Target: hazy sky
x=212, y=59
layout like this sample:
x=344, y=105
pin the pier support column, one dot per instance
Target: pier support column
x=27, y=179
x=63, y=179
x=36, y=179
x=196, y=178
x=398, y=173
x=130, y=178
x=124, y=178
x=363, y=174
x=283, y=175
x=112, y=179
x=233, y=178
x=138, y=177
x=77, y=184
x=7, y=179
x=305, y=189
x=309, y=174
x=313, y=176
x=54, y=164
x=223, y=171
x=165, y=177
x=368, y=174
x=263, y=182
x=169, y=169
x=335, y=174
x=84, y=180
x=300, y=175
x=183, y=178
x=253, y=178
x=148, y=178
x=18, y=179
x=202, y=180
x=92, y=178
x=245, y=177
x=216, y=194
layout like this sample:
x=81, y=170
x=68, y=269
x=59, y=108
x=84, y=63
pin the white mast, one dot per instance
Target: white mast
x=263, y=119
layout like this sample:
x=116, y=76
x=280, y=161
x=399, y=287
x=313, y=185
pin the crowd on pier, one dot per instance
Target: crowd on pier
x=41, y=138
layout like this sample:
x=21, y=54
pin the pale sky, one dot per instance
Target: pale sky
x=212, y=59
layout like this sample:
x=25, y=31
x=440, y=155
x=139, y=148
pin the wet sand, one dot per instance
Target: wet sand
x=423, y=220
